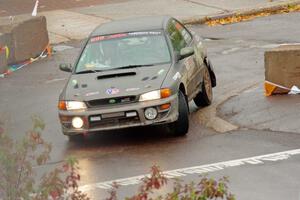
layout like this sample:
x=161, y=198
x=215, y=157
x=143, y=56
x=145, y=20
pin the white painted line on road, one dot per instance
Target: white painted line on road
x=197, y=169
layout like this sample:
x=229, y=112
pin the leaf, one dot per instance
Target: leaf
x=239, y=17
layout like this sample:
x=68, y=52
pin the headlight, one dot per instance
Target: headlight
x=75, y=105
x=150, y=96
x=71, y=105
x=77, y=122
x=151, y=113
x=157, y=94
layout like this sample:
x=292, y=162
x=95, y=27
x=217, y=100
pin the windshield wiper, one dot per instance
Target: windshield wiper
x=88, y=71
x=123, y=67
x=132, y=66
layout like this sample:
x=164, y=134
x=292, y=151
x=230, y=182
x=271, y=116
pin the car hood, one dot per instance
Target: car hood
x=115, y=83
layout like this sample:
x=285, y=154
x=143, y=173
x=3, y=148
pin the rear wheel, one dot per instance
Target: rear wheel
x=181, y=126
x=204, y=97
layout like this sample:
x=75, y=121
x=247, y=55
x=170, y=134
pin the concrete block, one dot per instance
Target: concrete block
x=3, y=62
x=26, y=37
x=282, y=65
x=6, y=40
x=3, y=59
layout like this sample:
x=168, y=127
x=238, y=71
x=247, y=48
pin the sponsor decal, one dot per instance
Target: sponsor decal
x=160, y=72
x=176, y=76
x=122, y=35
x=112, y=101
x=108, y=37
x=112, y=91
x=75, y=84
x=131, y=89
x=91, y=94
x=145, y=33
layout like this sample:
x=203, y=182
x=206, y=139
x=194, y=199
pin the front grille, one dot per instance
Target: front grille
x=111, y=101
x=114, y=122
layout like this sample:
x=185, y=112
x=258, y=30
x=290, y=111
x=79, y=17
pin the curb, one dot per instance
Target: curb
x=242, y=12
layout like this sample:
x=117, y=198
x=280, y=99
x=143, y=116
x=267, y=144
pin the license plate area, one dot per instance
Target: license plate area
x=113, y=115
x=95, y=118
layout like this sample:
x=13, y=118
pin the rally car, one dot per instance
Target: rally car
x=136, y=72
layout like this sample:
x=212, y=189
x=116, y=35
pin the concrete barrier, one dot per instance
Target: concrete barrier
x=3, y=60
x=25, y=36
x=282, y=65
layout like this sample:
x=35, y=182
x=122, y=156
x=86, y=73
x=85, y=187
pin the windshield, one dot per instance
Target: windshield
x=121, y=50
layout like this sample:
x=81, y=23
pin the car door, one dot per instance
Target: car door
x=199, y=56
x=181, y=38
x=194, y=62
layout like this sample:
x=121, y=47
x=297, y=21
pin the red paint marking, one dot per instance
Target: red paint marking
x=108, y=37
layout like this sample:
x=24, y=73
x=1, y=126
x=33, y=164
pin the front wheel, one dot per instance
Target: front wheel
x=181, y=126
x=204, y=97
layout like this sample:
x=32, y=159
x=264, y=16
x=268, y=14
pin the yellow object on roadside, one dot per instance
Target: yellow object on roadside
x=269, y=89
x=6, y=52
x=273, y=88
x=47, y=52
x=49, y=49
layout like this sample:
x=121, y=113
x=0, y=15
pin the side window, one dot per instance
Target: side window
x=177, y=39
x=186, y=35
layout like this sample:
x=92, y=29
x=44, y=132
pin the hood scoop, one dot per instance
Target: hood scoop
x=107, y=76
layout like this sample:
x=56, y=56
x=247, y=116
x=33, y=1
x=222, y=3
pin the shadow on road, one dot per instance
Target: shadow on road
x=137, y=136
x=121, y=138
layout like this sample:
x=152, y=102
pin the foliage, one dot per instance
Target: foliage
x=18, y=160
x=206, y=189
x=246, y=17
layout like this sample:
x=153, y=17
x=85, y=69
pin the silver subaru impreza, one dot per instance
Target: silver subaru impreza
x=136, y=72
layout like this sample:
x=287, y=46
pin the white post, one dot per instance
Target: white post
x=34, y=12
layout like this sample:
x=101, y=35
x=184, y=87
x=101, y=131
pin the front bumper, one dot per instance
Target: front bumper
x=114, y=116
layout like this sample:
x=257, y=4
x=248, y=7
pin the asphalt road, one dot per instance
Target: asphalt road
x=16, y=7
x=237, y=54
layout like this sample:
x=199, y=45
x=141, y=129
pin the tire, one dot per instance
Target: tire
x=205, y=97
x=181, y=126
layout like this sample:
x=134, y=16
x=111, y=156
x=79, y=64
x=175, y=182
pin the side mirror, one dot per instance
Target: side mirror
x=66, y=67
x=186, y=52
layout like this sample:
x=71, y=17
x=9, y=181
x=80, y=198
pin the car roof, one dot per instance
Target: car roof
x=131, y=25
